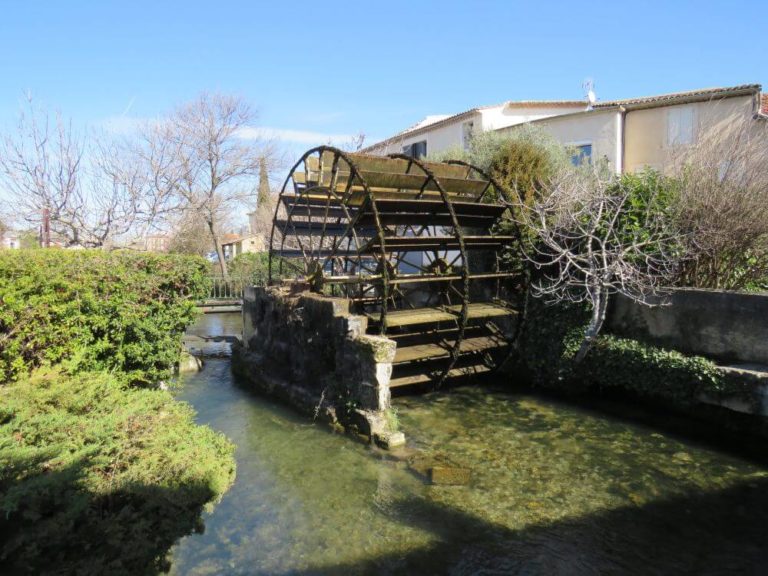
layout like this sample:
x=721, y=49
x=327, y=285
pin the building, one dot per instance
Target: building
x=157, y=243
x=636, y=133
x=10, y=239
x=441, y=132
x=234, y=244
x=630, y=134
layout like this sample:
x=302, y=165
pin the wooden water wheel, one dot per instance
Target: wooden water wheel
x=413, y=245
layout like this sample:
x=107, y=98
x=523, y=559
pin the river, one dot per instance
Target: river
x=555, y=488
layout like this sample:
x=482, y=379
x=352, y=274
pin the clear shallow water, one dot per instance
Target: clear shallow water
x=555, y=489
x=205, y=335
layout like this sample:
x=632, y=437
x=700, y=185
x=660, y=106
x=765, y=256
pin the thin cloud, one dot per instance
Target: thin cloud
x=128, y=108
x=122, y=124
x=127, y=125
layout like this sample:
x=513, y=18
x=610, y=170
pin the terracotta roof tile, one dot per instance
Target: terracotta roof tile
x=764, y=104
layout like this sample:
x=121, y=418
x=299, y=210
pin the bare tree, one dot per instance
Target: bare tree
x=88, y=189
x=591, y=240
x=41, y=165
x=190, y=235
x=723, y=200
x=354, y=143
x=198, y=155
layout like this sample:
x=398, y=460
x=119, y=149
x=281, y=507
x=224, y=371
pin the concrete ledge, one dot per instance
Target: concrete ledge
x=753, y=379
x=731, y=327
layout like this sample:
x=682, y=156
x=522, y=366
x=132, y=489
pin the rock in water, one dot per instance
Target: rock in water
x=449, y=476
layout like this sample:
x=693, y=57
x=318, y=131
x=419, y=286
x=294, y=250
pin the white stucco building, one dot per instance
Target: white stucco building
x=441, y=132
x=10, y=239
x=630, y=134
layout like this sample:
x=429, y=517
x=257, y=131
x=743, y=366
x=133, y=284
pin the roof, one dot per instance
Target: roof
x=230, y=238
x=671, y=99
x=442, y=120
x=681, y=97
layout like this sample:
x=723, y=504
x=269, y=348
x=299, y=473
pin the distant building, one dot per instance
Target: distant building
x=157, y=243
x=234, y=244
x=10, y=239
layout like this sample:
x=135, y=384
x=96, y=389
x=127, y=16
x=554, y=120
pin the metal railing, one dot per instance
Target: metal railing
x=231, y=288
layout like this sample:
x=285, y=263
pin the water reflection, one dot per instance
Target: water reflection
x=554, y=489
x=211, y=334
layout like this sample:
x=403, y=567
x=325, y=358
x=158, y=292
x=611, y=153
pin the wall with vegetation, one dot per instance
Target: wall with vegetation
x=729, y=326
x=100, y=470
x=552, y=336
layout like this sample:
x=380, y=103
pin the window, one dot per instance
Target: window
x=467, y=130
x=416, y=150
x=680, y=125
x=581, y=154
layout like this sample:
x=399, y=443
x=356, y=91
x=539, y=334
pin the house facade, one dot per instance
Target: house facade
x=233, y=244
x=648, y=132
x=629, y=134
x=439, y=133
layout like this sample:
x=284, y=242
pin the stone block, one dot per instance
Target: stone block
x=449, y=476
x=381, y=349
x=309, y=340
x=390, y=440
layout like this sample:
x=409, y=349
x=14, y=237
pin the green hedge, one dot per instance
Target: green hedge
x=100, y=478
x=650, y=371
x=552, y=337
x=90, y=310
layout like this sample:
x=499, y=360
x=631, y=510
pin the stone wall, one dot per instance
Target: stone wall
x=729, y=327
x=311, y=351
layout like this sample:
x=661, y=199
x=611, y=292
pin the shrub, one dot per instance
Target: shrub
x=251, y=267
x=650, y=371
x=549, y=341
x=648, y=191
x=552, y=336
x=485, y=147
x=523, y=166
x=98, y=478
x=92, y=310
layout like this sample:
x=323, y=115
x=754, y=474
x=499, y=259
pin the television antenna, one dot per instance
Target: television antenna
x=589, y=92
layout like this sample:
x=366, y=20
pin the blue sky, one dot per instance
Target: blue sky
x=335, y=68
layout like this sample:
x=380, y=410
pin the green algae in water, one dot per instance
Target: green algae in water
x=554, y=489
